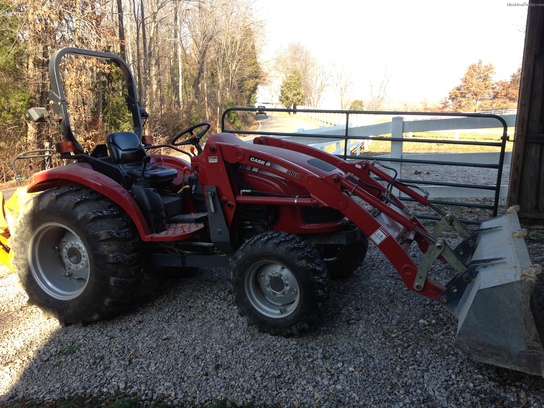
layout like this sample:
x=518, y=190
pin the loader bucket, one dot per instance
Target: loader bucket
x=499, y=322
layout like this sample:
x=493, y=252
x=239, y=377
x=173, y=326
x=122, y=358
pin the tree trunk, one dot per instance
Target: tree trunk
x=138, y=56
x=34, y=76
x=143, y=92
x=121, y=29
x=151, y=57
x=179, y=55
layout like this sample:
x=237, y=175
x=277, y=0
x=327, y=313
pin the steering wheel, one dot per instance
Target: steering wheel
x=194, y=139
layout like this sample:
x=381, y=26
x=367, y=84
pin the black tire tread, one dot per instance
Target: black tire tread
x=301, y=254
x=111, y=237
x=352, y=258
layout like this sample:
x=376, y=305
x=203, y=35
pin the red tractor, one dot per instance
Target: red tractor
x=283, y=217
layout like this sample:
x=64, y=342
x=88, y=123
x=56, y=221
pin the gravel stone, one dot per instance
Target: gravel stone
x=184, y=344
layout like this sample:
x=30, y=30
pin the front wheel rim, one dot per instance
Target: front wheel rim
x=59, y=261
x=272, y=289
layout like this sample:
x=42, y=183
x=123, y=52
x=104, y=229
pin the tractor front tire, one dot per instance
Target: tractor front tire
x=77, y=255
x=279, y=283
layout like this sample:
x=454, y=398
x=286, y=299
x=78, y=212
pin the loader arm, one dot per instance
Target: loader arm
x=364, y=173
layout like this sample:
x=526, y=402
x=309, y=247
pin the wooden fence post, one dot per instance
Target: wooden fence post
x=527, y=171
x=397, y=127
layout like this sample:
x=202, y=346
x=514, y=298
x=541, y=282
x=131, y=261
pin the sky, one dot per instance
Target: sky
x=424, y=46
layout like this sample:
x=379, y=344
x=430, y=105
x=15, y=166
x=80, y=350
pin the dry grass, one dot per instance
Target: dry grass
x=433, y=143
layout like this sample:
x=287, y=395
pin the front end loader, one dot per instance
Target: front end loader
x=492, y=292
x=283, y=217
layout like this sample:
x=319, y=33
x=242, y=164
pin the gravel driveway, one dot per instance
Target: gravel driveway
x=184, y=344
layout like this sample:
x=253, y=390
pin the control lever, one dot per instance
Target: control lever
x=145, y=160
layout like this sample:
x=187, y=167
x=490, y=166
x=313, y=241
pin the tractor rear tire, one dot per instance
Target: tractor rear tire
x=77, y=255
x=279, y=283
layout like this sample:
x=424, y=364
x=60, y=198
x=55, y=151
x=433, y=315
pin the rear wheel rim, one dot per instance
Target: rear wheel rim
x=59, y=261
x=272, y=289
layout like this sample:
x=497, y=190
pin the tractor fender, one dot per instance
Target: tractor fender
x=82, y=174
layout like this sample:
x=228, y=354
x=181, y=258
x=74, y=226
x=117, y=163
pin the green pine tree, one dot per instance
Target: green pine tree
x=291, y=92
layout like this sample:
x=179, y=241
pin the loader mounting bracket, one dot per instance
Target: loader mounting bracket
x=456, y=287
x=449, y=220
x=219, y=230
x=438, y=249
x=465, y=249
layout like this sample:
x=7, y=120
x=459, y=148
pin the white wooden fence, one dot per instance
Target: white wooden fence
x=400, y=130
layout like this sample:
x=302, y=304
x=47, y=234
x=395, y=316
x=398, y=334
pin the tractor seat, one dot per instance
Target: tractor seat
x=127, y=152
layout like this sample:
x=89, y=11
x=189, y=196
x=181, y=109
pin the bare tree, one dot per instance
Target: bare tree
x=315, y=77
x=221, y=56
x=178, y=57
x=81, y=23
x=197, y=55
x=321, y=77
x=202, y=28
x=343, y=83
x=378, y=91
x=235, y=54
